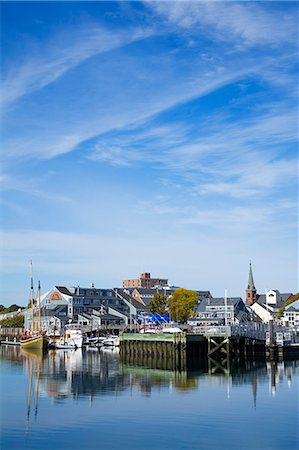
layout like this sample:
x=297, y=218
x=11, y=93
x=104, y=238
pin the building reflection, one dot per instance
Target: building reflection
x=79, y=374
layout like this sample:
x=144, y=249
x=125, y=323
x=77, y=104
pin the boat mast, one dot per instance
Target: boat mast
x=32, y=298
x=38, y=309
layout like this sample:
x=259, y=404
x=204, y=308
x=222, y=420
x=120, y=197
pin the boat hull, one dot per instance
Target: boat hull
x=35, y=343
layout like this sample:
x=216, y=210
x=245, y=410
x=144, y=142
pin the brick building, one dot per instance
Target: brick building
x=144, y=281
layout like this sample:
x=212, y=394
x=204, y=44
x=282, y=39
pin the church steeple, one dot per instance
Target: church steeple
x=251, y=285
x=251, y=290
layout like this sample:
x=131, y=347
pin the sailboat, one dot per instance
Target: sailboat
x=34, y=338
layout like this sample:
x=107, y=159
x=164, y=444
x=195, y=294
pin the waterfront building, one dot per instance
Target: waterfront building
x=265, y=306
x=291, y=315
x=145, y=295
x=144, y=281
x=218, y=311
x=63, y=304
x=137, y=307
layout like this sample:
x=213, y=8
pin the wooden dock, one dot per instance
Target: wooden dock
x=221, y=344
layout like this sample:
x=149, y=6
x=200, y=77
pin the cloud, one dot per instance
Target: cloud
x=246, y=24
x=248, y=217
x=62, y=53
x=239, y=158
x=52, y=137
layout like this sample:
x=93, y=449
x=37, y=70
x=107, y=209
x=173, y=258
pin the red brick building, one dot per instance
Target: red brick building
x=144, y=281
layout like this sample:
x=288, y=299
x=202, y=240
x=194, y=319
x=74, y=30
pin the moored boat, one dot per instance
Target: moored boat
x=38, y=341
x=64, y=345
x=73, y=335
x=34, y=338
x=111, y=341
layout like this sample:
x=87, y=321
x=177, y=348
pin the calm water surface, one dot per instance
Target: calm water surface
x=92, y=400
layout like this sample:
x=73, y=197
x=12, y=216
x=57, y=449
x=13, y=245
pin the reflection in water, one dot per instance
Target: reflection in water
x=79, y=373
x=139, y=400
x=32, y=363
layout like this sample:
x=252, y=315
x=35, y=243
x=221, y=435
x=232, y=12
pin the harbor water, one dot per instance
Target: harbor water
x=92, y=399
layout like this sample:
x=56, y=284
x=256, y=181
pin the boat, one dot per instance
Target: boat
x=73, y=335
x=171, y=330
x=34, y=342
x=101, y=339
x=111, y=341
x=64, y=345
x=34, y=338
x=91, y=340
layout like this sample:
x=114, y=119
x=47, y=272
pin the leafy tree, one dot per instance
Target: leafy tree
x=1, y=308
x=181, y=304
x=17, y=321
x=10, y=308
x=158, y=304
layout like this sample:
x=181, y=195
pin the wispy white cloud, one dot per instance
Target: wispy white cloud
x=245, y=24
x=49, y=141
x=248, y=217
x=63, y=52
x=35, y=186
x=235, y=159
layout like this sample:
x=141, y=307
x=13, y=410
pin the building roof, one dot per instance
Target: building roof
x=261, y=299
x=291, y=309
x=251, y=286
x=130, y=299
x=206, y=320
x=146, y=291
x=110, y=317
x=64, y=290
x=218, y=301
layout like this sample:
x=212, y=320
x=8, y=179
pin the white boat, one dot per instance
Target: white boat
x=91, y=340
x=101, y=339
x=111, y=341
x=171, y=330
x=73, y=335
x=63, y=344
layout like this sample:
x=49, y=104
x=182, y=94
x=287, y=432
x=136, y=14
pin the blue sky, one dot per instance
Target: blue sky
x=149, y=136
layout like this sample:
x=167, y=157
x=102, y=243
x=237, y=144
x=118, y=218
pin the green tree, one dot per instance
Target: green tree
x=16, y=321
x=10, y=308
x=158, y=304
x=181, y=304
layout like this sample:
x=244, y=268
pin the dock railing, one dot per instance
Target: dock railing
x=251, y=330
x=248, y=330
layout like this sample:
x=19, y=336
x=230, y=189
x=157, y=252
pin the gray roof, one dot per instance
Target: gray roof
x=219, y=301
x=130, y=299
x=261, y=299
x=147, y=291
x=111, y=317
x=292, y=309
x=64, y=290
x=251, y=285
x=206, y=320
